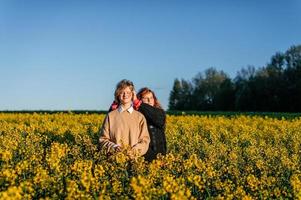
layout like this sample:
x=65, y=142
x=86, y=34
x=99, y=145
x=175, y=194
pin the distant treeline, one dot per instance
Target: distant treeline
x=275, y=87
x=277, y=115
x=56, y=111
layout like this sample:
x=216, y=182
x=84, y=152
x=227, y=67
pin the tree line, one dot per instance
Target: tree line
x=275, y=87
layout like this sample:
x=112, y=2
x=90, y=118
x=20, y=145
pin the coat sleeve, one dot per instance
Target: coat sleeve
x=143, y=139
x=105, y=140
x=155, y=116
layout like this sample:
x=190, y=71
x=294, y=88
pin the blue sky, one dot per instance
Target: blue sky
x=63, y=54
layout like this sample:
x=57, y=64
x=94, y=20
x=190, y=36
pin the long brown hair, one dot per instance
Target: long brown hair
x=144, y=91
x=120, y=86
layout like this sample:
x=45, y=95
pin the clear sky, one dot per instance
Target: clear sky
x=63, y=54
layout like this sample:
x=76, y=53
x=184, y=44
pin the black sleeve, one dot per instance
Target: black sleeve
x=155, y=116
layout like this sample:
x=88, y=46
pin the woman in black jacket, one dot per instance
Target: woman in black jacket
x=147, y=103
x=155, y=116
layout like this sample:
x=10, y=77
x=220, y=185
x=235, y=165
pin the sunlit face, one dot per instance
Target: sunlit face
x=126, y=95
x=148, y=98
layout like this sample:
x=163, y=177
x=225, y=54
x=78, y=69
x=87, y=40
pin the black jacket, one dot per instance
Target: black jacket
x=155, y=118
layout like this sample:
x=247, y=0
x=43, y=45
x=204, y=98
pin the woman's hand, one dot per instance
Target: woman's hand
x=117, y=148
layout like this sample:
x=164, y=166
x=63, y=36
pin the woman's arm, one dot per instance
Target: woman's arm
x=104, y=140
x=113, y=106
x=143, y=138
x=155, y=116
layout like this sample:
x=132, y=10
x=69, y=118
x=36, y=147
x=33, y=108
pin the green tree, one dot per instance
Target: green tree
x=243, y=89
x=225, y=98
x=180, y=96
x=174, y=95
x=292, y=76
x=207, y=87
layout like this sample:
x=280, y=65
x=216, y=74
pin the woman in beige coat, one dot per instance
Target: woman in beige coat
x=124, y=127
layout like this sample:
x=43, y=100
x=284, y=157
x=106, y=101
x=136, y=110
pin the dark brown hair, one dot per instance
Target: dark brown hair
x=144, y=91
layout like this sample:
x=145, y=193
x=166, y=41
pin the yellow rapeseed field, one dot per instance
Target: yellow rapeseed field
x=56, y=156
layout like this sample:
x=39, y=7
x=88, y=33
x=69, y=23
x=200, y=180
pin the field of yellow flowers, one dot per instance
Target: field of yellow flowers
x=56, y=156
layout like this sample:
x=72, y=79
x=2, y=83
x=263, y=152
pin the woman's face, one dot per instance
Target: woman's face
x=148, y=98
x=126, y=95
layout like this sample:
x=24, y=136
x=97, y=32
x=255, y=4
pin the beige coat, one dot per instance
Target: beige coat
x=125, y=128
